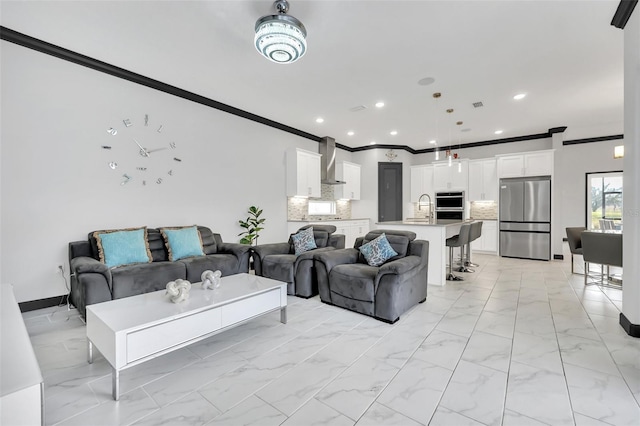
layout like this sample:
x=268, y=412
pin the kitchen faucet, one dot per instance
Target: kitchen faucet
x=430, y=213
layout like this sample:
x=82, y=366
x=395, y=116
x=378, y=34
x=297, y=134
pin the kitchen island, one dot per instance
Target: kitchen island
x=436, y=234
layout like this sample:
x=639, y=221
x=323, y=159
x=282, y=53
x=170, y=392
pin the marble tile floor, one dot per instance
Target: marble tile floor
x=517, y=343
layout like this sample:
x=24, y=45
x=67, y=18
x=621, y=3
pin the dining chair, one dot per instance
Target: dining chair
x=603, y=248
x=575, y=243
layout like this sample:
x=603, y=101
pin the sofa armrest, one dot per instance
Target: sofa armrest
x=331, y=258
x=309, y=255
x=234, y=248
x=258, y=253
x=84, y=265
x=399, y=266
x=337, y=241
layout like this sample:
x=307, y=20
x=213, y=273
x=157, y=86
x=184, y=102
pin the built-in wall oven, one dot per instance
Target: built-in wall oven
x=450, y=206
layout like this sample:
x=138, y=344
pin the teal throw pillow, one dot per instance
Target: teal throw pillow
x=123, y=247
x=304, y=241
x=378, y=251
x=182, y=242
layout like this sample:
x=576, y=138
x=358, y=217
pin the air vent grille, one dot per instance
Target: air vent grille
x=357, y=108
x=478, y=104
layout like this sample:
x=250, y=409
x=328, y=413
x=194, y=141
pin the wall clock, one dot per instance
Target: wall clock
x=142, y=154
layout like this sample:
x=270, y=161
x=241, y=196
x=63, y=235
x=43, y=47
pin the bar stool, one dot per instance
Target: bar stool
x=474, y=234
x=457, y=241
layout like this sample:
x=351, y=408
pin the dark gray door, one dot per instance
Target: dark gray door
x=389, y=192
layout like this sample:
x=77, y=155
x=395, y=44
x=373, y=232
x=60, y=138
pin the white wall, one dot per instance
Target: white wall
x=57, y=187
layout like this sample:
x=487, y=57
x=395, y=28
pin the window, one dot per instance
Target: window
x=322, y=207
x=604, y=198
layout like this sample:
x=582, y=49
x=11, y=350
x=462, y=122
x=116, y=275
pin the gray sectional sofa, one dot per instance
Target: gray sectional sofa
x=93, y=282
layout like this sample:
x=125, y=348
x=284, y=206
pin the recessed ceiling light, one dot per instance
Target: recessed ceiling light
x=498, y=132
x=372, y=143
x=466, y=130
x=379, y=104
x=519, y=96
x=319, y=120
x=350, y=133
x=432, y=141
x=393, y=132
x=426, y=81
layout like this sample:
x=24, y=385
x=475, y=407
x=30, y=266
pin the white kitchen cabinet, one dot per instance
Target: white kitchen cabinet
x=537, y=163
x=483, y=180
x=351, y=229
x=421, y=182
x=454, y=177
x=488, y=241
x=349, y=173
x=303, y=173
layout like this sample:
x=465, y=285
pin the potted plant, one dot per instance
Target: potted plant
x=252, y=226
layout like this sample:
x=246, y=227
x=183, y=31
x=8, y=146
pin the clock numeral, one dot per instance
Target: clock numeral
x=127, y=122
x=170, y=172
x=159, y=181
x=126, y=180
x=146, y=120
x=142, y=169
x=172, y=145
x=159, y=129
x=113, y=165
x=144, y=183
x=177, y=159
x=106, y=147
x=112, y=131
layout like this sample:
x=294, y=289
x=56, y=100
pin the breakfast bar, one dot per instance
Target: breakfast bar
x=436, y=234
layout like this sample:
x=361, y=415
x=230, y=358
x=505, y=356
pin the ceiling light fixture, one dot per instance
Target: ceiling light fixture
x=519, y=96
x=319, y=120
x=498, y=132
x=372, y=143
x=281, y=38
x=379, y=104
x=350, y=133
x=393, y=132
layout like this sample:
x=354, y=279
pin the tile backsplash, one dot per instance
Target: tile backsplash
x=298, y=208
x=487, y=210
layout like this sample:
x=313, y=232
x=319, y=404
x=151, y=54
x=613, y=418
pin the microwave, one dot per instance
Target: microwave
x=450, y=200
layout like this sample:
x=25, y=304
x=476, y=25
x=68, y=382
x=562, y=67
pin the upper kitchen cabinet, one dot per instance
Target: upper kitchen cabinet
x=483, y=180
x=456, y=176
x=349, y=173
x=421, y=181
x=303, y=173
x=537, y=163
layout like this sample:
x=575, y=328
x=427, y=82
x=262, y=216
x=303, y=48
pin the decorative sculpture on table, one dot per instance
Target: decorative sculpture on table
x=178, y=290
x=210, y=279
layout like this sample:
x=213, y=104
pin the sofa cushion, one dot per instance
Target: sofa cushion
x=209, y=243
x=399, y=241
x=303, y=241
x=279, y=267
x=354, y=281
x=182, y=242
x=142, y=278
x=123, y=247
x=157, y=246
x=225, y=263
x=378, y=251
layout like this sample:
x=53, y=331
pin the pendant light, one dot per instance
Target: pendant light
x=281, y=38
x=436, y=96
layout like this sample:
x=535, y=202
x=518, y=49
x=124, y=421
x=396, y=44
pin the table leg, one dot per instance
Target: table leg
x=89, y=351
x=115, y=384
x=283, y=315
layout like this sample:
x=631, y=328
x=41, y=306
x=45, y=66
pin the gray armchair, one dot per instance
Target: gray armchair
x=385, y=292
x=278, y=261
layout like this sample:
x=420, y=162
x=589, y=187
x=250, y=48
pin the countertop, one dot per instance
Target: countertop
x=324, y=220
x=421, y=223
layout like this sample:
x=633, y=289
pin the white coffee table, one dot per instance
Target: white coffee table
x=135, y=329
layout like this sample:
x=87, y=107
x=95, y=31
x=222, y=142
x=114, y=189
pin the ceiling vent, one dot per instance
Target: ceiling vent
x=477, y=104
x=357, y=108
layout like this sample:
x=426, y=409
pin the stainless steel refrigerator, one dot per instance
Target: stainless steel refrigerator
x=525, y=218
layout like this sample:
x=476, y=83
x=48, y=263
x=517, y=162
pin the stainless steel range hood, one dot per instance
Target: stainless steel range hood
x=328, y=161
